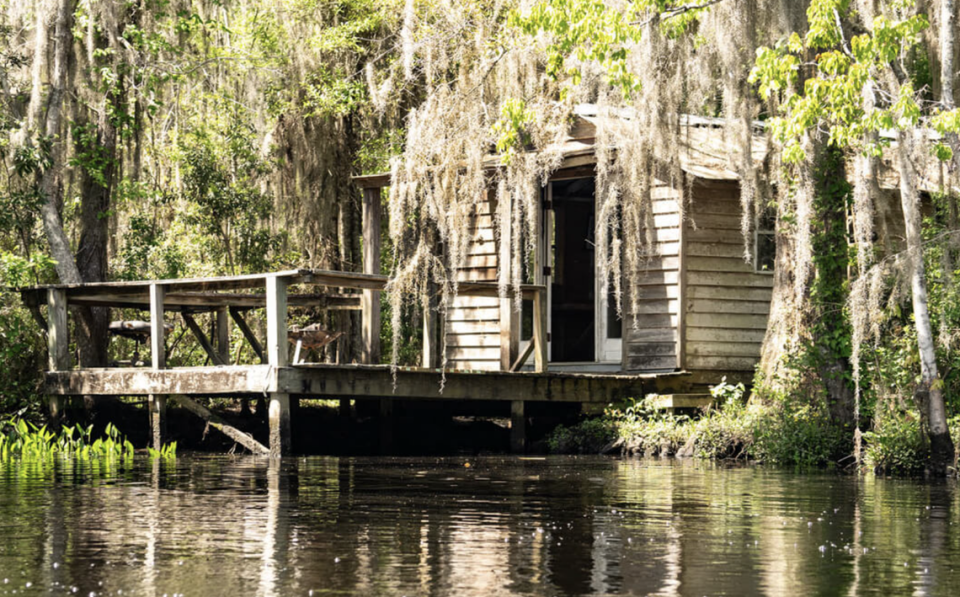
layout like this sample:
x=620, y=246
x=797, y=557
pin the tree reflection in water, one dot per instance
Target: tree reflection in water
x=503, y=526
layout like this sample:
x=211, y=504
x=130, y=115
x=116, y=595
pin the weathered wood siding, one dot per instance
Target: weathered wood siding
x=726, y=301
x=472, y=324
x=651, y=332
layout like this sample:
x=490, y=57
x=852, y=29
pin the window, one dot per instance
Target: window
x=765, y=245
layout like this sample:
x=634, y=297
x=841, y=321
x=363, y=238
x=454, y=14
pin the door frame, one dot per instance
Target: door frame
x=606, y=350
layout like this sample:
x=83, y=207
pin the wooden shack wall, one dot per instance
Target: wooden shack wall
x=726, y=302
x=651, y=331
x=472, y=324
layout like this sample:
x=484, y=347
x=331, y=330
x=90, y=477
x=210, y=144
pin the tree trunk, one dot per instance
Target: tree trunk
x=830, y=329
x=92, y=261
x=948, y=34
x=50, y=177
x=929, y=391
x=780, y=334
x=805, y=315
x=948, y=44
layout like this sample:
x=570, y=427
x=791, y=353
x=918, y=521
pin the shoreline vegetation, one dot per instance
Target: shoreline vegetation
x=785, y=433
x=21, y=439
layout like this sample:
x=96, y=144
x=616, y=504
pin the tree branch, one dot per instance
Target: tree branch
x=674, y=12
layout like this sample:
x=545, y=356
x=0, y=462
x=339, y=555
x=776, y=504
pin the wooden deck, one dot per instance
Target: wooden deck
x=279, y=377
x=360, y=381
x=287, y=385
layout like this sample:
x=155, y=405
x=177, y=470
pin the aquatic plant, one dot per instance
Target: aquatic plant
x=166, y=451
x=24, y=440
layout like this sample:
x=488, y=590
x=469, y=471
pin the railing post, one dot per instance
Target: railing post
x=370, y=300
x=430, y=348
x=223, y=335
x=158, y=353
x=58, y=342
x=277, y=357
x=157, y=403
x=540, y=330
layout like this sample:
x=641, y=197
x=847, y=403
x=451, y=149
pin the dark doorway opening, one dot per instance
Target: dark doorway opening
x=573, y=279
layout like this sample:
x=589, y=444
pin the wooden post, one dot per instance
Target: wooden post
x=518, y=427
x=542, y=273
x=509, y=318
x=430, y=352
x=540, y=330
x=158, y=353
x=223, y=335
x=370, y=300
x=277, y=343
x=277, y=356
x=157, y=403
x=58, y=342
x=681, y=300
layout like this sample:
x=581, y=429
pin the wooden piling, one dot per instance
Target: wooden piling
x=157, y=403
x=277, y=357
x=518, y=427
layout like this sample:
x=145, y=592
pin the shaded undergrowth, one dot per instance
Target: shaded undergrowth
x=787, y=432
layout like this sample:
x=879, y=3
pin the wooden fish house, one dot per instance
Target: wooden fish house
x=702, y=308
x=702, y=312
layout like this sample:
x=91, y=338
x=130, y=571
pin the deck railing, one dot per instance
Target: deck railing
x=220, y=296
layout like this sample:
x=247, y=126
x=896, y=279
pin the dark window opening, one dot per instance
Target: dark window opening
x=765, y=247
x=614, y=323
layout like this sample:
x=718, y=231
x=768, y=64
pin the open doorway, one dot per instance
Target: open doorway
x=573, y=287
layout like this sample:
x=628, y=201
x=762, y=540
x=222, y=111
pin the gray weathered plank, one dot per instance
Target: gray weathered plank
x=727, y=320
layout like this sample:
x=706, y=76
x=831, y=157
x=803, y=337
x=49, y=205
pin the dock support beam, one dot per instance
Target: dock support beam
x=518, y=427
x=370, y=299
x=277, y=357
x=157, y=403
x=58, y=343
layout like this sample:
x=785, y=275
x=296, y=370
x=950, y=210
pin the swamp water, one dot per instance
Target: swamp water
x=205, y=525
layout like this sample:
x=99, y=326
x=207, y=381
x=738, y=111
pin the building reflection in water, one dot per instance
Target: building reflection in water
x=503, y=526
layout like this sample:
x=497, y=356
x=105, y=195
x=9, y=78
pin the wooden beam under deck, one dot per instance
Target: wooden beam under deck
x=359, y=381
x=136, y=381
